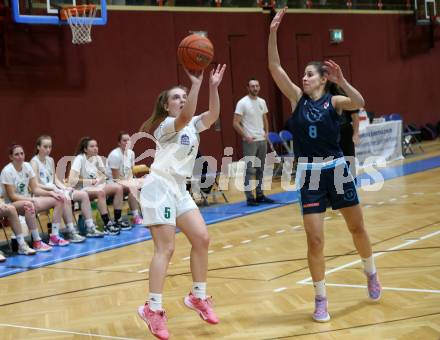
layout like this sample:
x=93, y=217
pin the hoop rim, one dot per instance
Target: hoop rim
x=78, y=9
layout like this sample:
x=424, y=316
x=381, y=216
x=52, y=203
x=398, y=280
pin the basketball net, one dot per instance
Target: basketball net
x=80, y=20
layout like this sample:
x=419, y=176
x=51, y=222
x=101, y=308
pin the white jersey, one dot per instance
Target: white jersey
x=122, y=161
x=45, y=171
x=19, y=179
x=177, y=150
x=87, y=168
x=252, y=111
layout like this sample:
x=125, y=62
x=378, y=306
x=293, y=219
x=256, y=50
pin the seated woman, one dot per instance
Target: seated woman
x=17, y=177
x=9, y=212
x=87, y=173
x=120, y=163
x=44, y=167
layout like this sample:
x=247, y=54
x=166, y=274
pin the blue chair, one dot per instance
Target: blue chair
x=287, y=139
x=277, y=146
x=395, y=116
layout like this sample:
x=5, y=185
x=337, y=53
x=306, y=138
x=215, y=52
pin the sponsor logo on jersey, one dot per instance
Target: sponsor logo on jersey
x=326, y=105
x=184, y=139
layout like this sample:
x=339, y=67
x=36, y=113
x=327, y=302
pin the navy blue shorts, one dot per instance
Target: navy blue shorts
x=319, y=185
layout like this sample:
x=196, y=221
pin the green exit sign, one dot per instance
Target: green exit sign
x=336, y=36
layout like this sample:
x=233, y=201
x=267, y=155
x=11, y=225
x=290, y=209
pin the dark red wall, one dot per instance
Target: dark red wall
x=47, y=85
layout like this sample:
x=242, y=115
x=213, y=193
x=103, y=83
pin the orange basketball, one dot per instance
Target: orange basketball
x=195, y=52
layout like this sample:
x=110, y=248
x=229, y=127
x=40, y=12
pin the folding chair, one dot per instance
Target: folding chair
x=4, y=224
x=49, y=223
x=409, y=136
x=204, y=181
x=277, y=146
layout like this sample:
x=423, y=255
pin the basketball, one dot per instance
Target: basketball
x=195, y=52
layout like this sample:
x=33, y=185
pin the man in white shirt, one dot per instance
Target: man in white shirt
x=250, y=122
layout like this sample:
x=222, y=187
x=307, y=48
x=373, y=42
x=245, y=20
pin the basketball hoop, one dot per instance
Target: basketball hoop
x=80, y=19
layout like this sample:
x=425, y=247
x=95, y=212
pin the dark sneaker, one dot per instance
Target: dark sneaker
x=112, y=229
x=124, y=225
x=264, y=199
x=252, y=202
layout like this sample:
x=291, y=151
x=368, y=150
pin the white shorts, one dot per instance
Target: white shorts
x=162, y=200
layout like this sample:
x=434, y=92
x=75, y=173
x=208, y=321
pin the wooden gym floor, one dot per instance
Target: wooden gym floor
x=258, y=277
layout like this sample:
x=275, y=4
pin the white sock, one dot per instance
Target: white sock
x=199, y=290
x=55, y=229
x=89, y=222
x=71, y=227
x=135, y=213
x=20, y=239
x=320, y=288
x=155, y=301
x=35, y=235
x=369, y=266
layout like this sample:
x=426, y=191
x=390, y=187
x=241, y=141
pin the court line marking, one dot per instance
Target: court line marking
x=384, y=288
x=277, y=290
x=404, y=244
x=143, y=270
x=66, y=332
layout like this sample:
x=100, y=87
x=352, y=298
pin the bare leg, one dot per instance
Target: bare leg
x=9, y=211
x=67, y=211
x=46, y=203
x=100, y=195
x=117, y=192
x=26, y=209
x=355, y=223
x=83, y=198
x=314, y=226
x=193, y=226
x=163, y=237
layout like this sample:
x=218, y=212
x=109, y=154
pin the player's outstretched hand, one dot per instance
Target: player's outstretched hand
x=334, y=72
x=276, y=21
x=216, y=75
x=196, y=77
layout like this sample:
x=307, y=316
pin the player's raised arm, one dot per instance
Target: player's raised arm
x=287, y=87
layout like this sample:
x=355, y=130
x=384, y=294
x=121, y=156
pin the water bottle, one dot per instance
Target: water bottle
x=82, y=225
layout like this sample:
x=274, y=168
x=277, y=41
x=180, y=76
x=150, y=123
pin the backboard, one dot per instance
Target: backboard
x=47, y=11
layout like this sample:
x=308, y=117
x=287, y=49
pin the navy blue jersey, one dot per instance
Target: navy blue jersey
x=315, y=128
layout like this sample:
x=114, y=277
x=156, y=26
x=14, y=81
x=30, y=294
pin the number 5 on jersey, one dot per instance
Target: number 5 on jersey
x=167, y=213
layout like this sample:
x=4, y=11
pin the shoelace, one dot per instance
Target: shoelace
x=373, y=284
x=207, y=306
x=161, y=317
x=320, y=306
